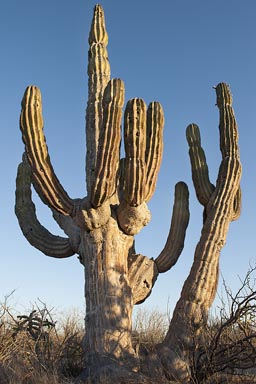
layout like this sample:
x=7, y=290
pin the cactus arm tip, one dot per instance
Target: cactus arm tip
x=98, y=33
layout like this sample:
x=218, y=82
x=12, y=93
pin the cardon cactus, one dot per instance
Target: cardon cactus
x=100, y=227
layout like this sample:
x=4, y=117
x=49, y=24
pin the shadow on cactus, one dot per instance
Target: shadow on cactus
x=100, y=227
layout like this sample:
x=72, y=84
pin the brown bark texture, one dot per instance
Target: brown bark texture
x=100, y=227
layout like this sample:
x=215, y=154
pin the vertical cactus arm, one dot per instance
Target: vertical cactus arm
x=175, y=241
x=200, y=287
x=98, y=78
x=227, y=125
x=108, y=153
x=135, y=147
x=230, y=168
x=200, y=174
x=35, y=233
x=228, y=140
x=154, y=146
x=31, y=125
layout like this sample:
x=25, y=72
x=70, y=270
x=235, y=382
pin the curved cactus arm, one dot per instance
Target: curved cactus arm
x=108, y=153
x=135, y=148
x=99, y=76
x=154, y=146
x=200, y=174
x=31, y=125
x=175, y=241
x=35, y=233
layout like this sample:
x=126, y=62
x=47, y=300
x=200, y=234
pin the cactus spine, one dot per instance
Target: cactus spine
x=100, y=227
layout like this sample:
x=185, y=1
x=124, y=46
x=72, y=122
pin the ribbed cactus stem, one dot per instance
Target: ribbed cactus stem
x=227, y=127
x=143, y=138
x=31, y=125
x=154, y=146
x=200, y=287
x=105, y=181
x=175, y=241
x=98, y=77
x=200, y=174
x=228, y=137
x=135, y=147
x=35, y=233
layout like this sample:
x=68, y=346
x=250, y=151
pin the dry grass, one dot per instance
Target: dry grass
x=35, y=348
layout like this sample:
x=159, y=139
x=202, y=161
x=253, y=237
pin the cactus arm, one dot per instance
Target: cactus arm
x=200, y=287
x=154, y=146
x=143, y=137
x=200, y=174
x=31, y=124
x=99, y=76
x=175, y=241
x=230, y=168
x=143, y=142
x=35, y=233
x=104, y=185
x=135, y=148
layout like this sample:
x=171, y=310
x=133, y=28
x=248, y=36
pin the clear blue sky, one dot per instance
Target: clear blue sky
x=174, y=51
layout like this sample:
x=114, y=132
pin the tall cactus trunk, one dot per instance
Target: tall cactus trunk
x=109, y=301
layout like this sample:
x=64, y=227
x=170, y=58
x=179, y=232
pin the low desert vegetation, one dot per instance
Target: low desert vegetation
x=41, y=346
x=35, y=348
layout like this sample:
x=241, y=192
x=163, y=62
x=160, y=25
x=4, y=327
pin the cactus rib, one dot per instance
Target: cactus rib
x=154, y=146
x=237, y=205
